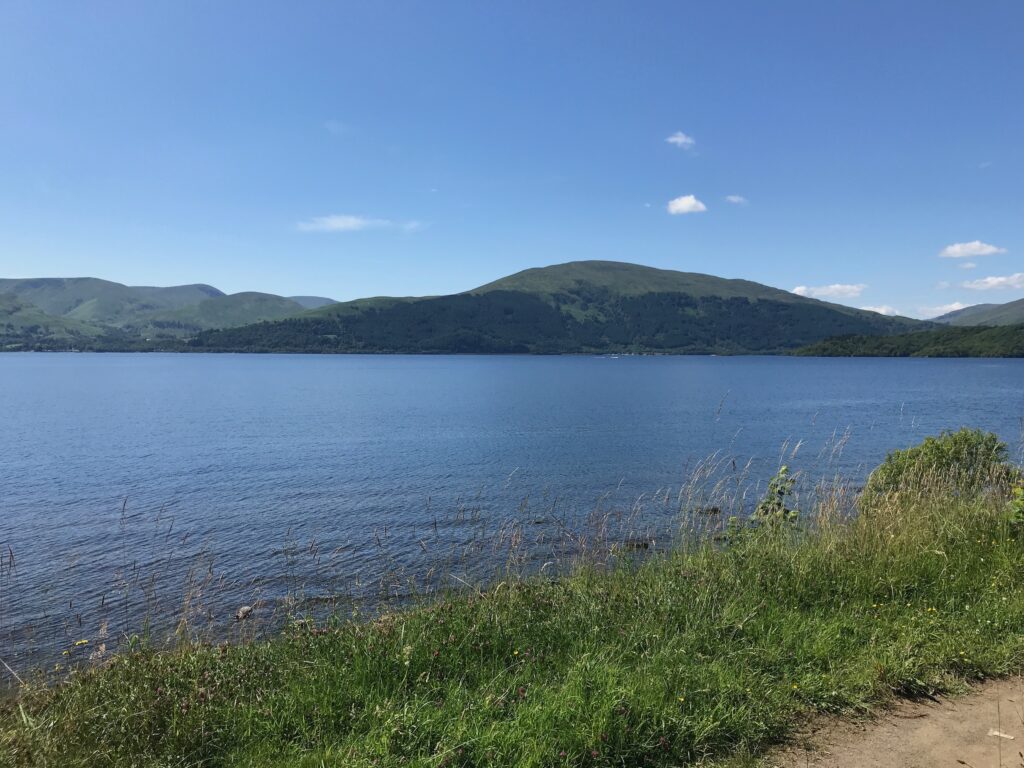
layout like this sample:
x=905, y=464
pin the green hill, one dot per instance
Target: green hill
x=592, y=306
x=48, y=312
x=92, y=300
x=220, y=312
x=312, y=302
x=26, y=326
x=983, y=341
x=1011, y=313
x=628, y=280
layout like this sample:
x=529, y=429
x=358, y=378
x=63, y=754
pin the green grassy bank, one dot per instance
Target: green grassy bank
x=712, y=652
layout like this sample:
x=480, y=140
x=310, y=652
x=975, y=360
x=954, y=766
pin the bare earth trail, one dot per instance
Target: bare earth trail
x=961, y=731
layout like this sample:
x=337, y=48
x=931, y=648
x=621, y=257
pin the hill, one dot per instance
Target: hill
x=26, y=326
x=1011, y=313
x=54, y=313
x=312, y=302
x=220, y=312
x=590, y=306
x=92, y=300
x=1001, y=341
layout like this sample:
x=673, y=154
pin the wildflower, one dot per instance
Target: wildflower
x=81, y=642
x=680, y=699
x=795, y=686
x=515, y=652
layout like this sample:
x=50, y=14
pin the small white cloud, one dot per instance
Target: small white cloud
x=943, y=285
x=943, y=309
x=342, y=222
x=884, y=309
x=967, y=265
x=1015, y=281
x=685, y=204
x=346, y=222
x=970, y=250
x=736, y=199
x=834, y=291
x=681, y=140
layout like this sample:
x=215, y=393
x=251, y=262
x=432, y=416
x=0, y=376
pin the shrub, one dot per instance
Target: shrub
x=772, y=508
x=963, y=463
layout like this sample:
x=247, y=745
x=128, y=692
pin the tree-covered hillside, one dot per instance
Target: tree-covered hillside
x=578, y=307
x=1002, y=341
x=1011, y=313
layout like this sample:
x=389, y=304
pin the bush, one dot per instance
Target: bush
x=772, y=508
x=963, y=463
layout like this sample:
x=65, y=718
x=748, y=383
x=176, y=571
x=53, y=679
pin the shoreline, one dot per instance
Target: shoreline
x=713, y=651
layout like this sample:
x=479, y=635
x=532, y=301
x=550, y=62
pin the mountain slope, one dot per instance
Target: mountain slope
x=102, y=308
x=92, y=300
x=577, y=307
x=26, y=326
x=1011, y=313
x=980, y=341
x=220, y=312
x=312, y=302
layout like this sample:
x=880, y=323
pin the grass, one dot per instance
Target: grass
x=710, y=653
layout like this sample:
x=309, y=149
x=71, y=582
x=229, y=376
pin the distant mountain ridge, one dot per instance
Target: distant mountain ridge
x=1011, y=313
x=101, y=301
x=87, y=312
x=578, y=307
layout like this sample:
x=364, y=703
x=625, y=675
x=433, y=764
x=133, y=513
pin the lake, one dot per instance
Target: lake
x=132, y=485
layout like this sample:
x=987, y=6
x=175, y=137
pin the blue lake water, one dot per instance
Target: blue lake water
x=258, y=473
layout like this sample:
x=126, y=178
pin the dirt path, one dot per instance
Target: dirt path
x=953, y=732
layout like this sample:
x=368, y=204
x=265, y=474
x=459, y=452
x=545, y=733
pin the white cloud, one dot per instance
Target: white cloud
x=736, y=199
x=342, y=222
x=347, y=222
x=834, y=291
x=685, y=204
x=967, y=265
x=944, y=309
x=970, y=250
x=1015, y=281
x=884, y=309
x=681, y=140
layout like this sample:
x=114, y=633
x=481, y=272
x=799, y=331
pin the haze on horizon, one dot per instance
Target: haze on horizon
x=862, y=153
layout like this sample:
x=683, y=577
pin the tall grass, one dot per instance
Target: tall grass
x=710, y=651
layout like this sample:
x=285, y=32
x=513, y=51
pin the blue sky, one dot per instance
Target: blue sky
x=405, y=148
